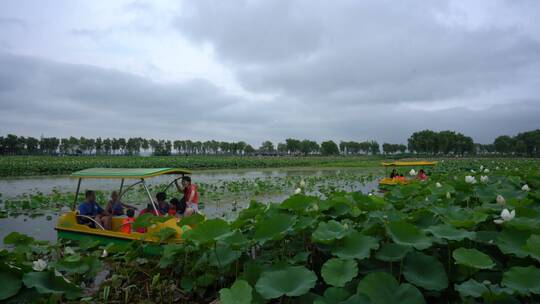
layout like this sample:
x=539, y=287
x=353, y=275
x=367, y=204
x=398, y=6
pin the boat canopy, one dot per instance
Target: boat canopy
x=409, y=163
x=121, y=173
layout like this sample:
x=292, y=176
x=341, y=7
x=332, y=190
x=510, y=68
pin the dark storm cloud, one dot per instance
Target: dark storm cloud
x=359, y=51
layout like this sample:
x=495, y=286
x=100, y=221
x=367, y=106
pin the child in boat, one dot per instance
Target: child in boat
x=126, y=223
x=115, y=206
x=394, y=173
x=179, y=207
x=422, y=175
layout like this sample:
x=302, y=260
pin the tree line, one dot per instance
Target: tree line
x=422, y=142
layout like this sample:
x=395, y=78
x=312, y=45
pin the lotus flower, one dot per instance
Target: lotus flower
x=484, y=178
x=448, y=196
x=104, y=254
x=526, y=188
x=497, y=168
x=481, y=167
x=500, y=200
x=486, y=170
x=297, y=191
x=39, y=265
x=68, y=250
x=438, y=185
x=470, y=179
x=302, y=183
x=412, y=172
x=472, y=171
x=506, y=216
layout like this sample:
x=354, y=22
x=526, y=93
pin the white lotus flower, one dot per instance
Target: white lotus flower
x=412, y=172
x=69, y=250
x=297, y=191
x=484, y=178
x=302, y=184
x=448, y=196
x=472, y=171
x=497, y=168
x=470, y=179
x=526, y=188
x=104, y=254
x=500, y=200
x=481, y=167
x=438, y=185
x=507, y=215
x=39, y=265
x=486, y=170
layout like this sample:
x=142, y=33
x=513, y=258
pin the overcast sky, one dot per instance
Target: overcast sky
x=257, y=70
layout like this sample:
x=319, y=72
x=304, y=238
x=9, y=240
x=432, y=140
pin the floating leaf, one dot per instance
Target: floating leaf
x=327, y=232
x=524, y=280
x=391, y=252
x=407, y=234
x=472, y=258
x=299, y=202
x=337, y=272
x=432, y=277
x=291, y=281
x=356, y=246
x=471, y=288
x=513, y=241
x=382, y=288
x=448, y=232
x=239, y=293
x=11, y=282
x=533, y=246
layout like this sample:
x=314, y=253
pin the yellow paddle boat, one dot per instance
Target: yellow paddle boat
x=69, y=226
x=389, y=181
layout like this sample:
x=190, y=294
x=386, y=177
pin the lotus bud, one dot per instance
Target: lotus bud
x=68, y=250
x=39, y=265
x=497, y=168
x=412, y=172
x=302, y=184
x=472, y=171
x=104, y=254
x=500, y=200
x=438, y=185
x=297, y=191
x=448, y=196
x=526, y=188
x=481, y=167
x=486, y=170
x=484, y=178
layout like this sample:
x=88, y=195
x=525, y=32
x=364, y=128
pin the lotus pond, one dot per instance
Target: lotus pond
x=470, y=234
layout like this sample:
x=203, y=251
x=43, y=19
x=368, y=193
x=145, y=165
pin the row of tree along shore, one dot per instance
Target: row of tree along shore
x=422, y=142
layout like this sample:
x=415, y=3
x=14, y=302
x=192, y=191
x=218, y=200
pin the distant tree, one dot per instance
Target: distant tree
x=530, y=141
x=329, y=148
x=249, y=149
x=32, y=145
x=267, y=146
x=107, y=146
x=293, y=145
x=282, y=147
x=308, y=147
x=99, y=145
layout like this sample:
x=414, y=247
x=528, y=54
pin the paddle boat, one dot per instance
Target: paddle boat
x=388, y=181
x=69, y=227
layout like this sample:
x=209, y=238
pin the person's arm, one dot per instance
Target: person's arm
x=191, y=193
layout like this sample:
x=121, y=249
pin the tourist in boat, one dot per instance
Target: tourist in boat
x=126, y=223
x=422, y=175
x=115, y=206
x=178, y=208
x=162, y=205
x=149, y=209
x=90, y=209
x=394, y=173
x=191, y=195
x=400, y=177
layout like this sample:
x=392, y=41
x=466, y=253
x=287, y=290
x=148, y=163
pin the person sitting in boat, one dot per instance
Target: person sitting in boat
x=191, y=195
x=162, y=205
x=126, y=223
x=422, y=175
x=394, y=173
x=90, y=209
x=180, y=208
x=115, y=206
x=149, y=209
x=400, y=177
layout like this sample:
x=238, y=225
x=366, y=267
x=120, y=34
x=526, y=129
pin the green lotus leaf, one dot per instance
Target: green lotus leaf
x=222, y=256
x=407, y=234
x=524, y=280
x=356, y=246
x=335, y=294
x=471, y=288
x=472, y=258
x=533, y=246
x=356, y=299
x=327, y=232
x=382, y=288
x=234, y=239
x=192, y=220
x=460, y=217
x=15, y=238
x=47, y=282
x=524, y=223
x=164, y=233
x=391, y=252
x=304, y=222
x=337, y=272
x=513, y=241
x=239, y=293
x=273, y=227
x=208, y=231
x=448, y=232
x=292, y=281
x=416, y=271
x=11, y=282
x=299, y=202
